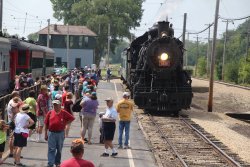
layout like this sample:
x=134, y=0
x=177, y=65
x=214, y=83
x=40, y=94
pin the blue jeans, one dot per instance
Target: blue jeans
x=55, y=145
x=124, y=125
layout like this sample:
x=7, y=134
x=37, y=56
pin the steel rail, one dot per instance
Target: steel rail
x=228, y=158
x=225, y=83
x=167, y=140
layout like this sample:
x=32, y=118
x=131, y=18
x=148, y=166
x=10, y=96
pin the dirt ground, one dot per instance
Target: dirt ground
x=233, y=133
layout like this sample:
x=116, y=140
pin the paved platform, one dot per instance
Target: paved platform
x=35, y=154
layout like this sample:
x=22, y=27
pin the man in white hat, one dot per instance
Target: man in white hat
x=124, y=109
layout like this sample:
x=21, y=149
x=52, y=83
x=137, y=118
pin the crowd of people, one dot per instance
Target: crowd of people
x=52, y=112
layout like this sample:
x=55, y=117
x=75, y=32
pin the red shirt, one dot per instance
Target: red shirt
x=75, y=162
x=42, y=104
x=64, y=98
x=57, y=121
x=67, y=105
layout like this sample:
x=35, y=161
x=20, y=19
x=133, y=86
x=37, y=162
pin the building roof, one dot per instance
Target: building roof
x=63, y=30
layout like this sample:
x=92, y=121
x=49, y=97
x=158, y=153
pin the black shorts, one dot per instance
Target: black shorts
x=19, y=140
x=108, y=130
x=2, y=146
x=33, y=117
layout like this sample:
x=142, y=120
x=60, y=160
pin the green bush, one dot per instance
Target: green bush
x=231, y=72
x=201, y=67
x=244, y=71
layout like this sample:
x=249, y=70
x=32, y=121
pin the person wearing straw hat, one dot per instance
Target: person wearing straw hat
x=21, y=132
x=77, y=150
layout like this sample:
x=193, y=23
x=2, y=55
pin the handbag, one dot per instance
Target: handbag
x=25, y=135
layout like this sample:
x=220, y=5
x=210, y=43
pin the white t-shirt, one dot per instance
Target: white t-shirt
x=21, y=121
x=111, y=113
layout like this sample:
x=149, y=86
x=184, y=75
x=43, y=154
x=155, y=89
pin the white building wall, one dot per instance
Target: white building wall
x=86, y=56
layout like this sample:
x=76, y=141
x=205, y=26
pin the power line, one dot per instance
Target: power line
x=202, y=30
x=232, y=19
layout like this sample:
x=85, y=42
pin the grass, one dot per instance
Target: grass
x=114, y=69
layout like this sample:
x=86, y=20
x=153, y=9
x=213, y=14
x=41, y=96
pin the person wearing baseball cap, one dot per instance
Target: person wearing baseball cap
x=55, y=123
x=124, y=109
x=77, y=150
x=109, y=119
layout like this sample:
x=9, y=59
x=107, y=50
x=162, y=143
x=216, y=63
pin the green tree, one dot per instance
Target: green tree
x=244, y=70
x=122, y=15
x=116, y=56
x=201, y=66
x=33, y=37
x=231, y=72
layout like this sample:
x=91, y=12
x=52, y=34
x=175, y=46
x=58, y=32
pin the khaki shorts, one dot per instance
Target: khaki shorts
x=40, y=120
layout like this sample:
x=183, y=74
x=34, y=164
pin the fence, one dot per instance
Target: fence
x=24, y=93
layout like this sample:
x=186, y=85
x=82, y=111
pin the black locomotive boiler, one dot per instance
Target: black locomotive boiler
x=153, y=71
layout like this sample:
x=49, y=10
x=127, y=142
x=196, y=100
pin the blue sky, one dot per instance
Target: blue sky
x=199, y=13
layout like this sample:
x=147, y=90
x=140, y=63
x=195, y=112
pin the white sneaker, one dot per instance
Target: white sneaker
x=40, y=141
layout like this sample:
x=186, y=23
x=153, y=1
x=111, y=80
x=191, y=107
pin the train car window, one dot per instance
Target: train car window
x=4, y=67
x=1, y=60
x=22, y=57
x=37, y=63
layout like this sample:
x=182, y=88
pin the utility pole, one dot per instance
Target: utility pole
x=68, y=46
x=48, y=33
x=248, y=32
x=184, y=33
x=208, y=49
x=25, y=24
x=197, y=55
x=187, y=51
x=108, y=45
x=1, y=15
x=211, y=81
x=247, y=46
x=184, y=29
x=224, y=51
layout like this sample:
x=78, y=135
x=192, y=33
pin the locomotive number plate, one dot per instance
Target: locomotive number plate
x=164, y=63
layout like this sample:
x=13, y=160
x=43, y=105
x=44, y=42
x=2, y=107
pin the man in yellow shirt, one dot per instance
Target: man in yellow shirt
x=124, y=109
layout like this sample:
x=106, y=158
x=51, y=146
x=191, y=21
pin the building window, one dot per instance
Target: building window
x=58, y=61
x=49, y=62
x=58, y=41
x=81, y=41
x=78, y=62
x=86, y=41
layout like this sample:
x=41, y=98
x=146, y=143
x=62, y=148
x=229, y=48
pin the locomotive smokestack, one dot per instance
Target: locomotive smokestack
x=163, y=28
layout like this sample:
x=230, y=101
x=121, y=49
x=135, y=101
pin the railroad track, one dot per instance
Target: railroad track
x=225, y=83
x=179, y=142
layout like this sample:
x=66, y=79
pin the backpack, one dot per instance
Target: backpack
x=76, y=106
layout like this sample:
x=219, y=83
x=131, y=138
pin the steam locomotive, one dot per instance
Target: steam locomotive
x=152, y=68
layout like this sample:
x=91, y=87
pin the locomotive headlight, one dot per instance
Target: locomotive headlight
x=164, y=56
